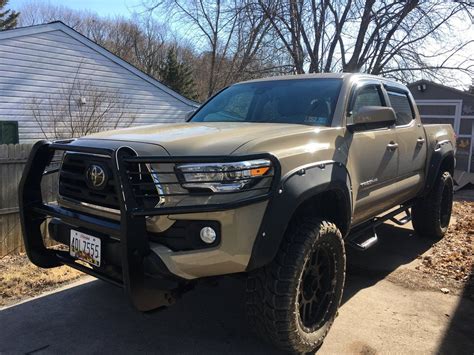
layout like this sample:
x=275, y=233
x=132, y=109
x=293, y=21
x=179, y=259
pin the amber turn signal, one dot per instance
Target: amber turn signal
x=259, y=171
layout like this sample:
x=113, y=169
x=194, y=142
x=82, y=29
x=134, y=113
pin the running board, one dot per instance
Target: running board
x=368, y=241
x=363, y=237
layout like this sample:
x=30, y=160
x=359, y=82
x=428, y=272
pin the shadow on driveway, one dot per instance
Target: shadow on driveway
x=95, y=317
x=461, y=325
x=397, y=246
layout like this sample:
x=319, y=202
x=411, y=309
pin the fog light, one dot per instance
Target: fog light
x=208, y=235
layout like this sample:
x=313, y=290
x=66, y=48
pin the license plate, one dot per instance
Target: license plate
x=85, y=247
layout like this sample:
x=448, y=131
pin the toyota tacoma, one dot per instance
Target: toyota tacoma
x=270, y=178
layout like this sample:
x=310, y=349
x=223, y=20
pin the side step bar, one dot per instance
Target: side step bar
x=364, y=237
x=364, y=242
x=404, y=220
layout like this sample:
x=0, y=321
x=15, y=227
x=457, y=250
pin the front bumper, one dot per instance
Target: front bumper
x=148, y=272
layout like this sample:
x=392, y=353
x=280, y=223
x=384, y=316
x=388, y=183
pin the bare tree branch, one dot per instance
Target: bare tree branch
x=81, y=108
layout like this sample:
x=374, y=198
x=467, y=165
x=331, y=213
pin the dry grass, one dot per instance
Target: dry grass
x=20, y=279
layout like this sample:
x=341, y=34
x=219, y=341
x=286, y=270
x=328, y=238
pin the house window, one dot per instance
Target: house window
x=9, y=132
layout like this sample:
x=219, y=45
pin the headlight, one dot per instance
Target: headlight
x=223, y=177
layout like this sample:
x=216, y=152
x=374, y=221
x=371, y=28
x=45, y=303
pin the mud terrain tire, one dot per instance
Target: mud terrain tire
x=292, y=302
x=432, y=213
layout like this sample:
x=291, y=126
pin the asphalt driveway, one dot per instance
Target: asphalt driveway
x=378, y=314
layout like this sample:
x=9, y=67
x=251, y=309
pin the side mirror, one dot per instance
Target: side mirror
x=371, y=117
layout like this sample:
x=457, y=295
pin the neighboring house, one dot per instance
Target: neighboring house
x=36, y=62
x=442, y=104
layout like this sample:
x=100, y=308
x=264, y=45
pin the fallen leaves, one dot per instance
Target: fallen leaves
x=452, y=258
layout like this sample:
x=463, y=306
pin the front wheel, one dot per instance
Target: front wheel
x=293, y=301
x=432, y=213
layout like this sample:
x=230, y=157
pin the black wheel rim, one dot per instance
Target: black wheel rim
x=446, y=206
x=316, y=289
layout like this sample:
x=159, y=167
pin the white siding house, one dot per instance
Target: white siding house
x=36, y=62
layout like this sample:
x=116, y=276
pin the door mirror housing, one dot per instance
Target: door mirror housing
x=371, y=117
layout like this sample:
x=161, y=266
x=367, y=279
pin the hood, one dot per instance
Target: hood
x=199, y=138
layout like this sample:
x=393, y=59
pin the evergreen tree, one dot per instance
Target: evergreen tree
x=7, y=17
x=177, y=76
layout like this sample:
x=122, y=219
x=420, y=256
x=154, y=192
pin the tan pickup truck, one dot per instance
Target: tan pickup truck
x=271, y=178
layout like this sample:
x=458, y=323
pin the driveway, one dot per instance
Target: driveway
x=385, y=309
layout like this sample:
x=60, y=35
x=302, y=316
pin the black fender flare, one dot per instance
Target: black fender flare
x=296, y=187
x=442, y=151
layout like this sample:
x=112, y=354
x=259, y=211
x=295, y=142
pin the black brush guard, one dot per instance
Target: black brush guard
x=146, y=280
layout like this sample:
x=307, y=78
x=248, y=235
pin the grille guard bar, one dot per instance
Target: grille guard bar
x=144, y=290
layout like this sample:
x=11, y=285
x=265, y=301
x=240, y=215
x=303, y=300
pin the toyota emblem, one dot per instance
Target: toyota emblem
x=96, y=176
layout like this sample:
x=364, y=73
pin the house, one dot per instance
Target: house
x=38, y=64
x=442, y=104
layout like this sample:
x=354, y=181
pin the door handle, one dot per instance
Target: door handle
x=420, y=141
x=392, y=146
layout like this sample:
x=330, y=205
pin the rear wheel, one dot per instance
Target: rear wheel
x=293, y=301
x=431, y=214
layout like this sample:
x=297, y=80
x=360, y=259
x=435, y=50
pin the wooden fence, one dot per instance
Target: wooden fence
x=12, y=162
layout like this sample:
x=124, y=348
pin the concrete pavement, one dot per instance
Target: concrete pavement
x=377, y=315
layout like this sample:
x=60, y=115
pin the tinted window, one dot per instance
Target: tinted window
x=302, y=101
x=401, y=104
x=368, y=95
x=238, y=105
x=8, y=132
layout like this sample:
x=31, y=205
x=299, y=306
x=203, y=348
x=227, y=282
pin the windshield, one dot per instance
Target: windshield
x=302, y=101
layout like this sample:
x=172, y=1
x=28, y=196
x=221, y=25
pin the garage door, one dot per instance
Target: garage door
x=450, y=111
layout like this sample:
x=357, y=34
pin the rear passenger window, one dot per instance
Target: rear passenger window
x=368, y=95
x=402, y=107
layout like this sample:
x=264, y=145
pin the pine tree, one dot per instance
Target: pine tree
x=7, y=17
x=177, y=76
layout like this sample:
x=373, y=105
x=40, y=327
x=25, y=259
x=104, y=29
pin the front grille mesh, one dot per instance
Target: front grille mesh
x=73, y=182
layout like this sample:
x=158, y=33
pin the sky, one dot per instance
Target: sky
x=102, y=7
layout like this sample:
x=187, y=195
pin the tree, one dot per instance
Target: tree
x=392, y=38
x=212, y=20
x=230, y=35
x=177, y=75
x=81, y=108
x=242, y=50
x=225, y=41
x=139, y=40
x=8, y=18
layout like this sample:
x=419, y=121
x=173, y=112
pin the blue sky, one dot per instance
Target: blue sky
x=102, y=7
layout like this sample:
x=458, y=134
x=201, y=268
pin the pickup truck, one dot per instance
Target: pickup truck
x=270, y=178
